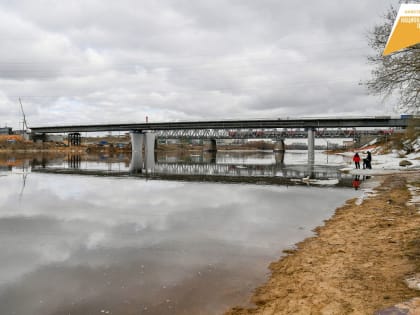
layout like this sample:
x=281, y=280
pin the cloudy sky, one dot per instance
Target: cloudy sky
x=97, y=61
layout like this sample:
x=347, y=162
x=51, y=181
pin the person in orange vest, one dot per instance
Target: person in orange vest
x=356, y=160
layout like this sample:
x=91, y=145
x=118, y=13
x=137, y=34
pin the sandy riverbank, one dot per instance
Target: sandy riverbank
x=357, y=262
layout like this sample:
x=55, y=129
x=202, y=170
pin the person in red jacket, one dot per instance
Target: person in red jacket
x=356, y=160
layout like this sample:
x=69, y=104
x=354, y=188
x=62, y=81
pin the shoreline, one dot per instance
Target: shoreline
x=357, y=261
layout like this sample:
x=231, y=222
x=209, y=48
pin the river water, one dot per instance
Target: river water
x=83, y=243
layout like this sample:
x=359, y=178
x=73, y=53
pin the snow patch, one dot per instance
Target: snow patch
x=383, y=164
x=415, y=196
x=366, y=194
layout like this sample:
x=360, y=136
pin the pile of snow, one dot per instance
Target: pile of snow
x=416, y=145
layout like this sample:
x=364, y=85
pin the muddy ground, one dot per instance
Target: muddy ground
x=357, y=262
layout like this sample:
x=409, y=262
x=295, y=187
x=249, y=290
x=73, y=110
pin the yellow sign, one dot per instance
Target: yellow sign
x=406, y=29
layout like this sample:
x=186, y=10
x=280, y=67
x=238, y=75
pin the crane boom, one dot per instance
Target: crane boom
x=23, y=113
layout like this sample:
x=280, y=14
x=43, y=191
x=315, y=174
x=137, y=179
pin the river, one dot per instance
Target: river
x=77, y=242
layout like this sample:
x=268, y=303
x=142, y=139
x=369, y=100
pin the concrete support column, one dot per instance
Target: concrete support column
x=213, y=145
x=311, y=171
x=210, y=145
x=137, y=139
x=149, y=151
x=311, y=152
x=74, y=139
x=136, y=164
x=279, y=156
x=311, y=146
x=279, y=146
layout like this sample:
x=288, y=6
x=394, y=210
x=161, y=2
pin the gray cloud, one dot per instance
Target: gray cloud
x=105, y=61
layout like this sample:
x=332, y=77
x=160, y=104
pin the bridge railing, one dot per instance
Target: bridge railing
x=266, y=133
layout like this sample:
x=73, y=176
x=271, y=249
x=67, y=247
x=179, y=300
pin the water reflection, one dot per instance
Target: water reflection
x=74, y=161
x=356, y=182
x=227, y=166
x=92, y=245
x=357, y=179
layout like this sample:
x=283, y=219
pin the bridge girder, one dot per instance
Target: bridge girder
x=360, y=122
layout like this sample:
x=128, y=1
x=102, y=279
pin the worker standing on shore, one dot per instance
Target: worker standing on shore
x=367, y=161
x=356, y=160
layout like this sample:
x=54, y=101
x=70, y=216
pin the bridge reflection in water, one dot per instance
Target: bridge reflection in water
x=251, y=167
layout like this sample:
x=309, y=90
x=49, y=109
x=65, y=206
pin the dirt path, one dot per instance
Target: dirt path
x=357, y=262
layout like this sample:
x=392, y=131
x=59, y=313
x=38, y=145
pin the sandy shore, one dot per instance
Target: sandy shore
x=357, y=262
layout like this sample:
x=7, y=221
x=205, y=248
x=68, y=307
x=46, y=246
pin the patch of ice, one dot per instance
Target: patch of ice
x=366, y=193
x=415, y=196
x=331, y=181
x=413, y=281
x=321, y=182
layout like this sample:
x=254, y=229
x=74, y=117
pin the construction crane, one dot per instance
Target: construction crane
x=25, y=125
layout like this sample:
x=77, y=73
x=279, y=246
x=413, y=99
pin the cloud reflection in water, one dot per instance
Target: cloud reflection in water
x=82, y=245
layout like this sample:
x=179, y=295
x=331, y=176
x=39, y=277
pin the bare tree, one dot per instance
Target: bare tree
x=398, y=72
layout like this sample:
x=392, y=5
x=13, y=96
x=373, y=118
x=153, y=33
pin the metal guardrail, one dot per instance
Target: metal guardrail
x=266, y=134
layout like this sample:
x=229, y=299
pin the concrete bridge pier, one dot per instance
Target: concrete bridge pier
x=311, y=171
x=149, y=151
x=279, y=146
x=311, y=146
x=136, y=164
x=279, y=156
x=311, y=152
x=212, y=146
x=74, y=139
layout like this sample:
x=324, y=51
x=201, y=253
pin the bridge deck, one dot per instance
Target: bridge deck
x=234, y=124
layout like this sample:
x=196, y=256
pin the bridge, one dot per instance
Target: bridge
x=308, y=123
x=145, y=133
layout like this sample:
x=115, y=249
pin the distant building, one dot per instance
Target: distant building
x=6, y=131
x=172, y=141
x=348, y=143
x=54, y=138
